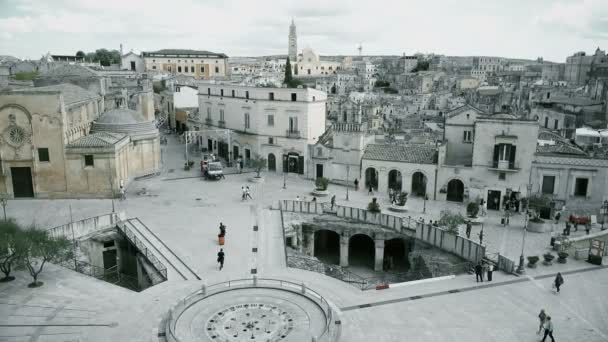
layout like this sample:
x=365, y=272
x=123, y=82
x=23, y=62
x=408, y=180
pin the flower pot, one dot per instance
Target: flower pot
x=256, y=179
x=532, y=260
x=320, y=193
x=562, y=257
x=397, y=208
x=548, y=258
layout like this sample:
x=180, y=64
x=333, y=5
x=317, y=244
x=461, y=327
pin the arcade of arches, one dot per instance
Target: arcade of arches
x=357, y=248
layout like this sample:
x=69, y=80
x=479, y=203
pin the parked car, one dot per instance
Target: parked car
x=581, y=220
x=214, y=170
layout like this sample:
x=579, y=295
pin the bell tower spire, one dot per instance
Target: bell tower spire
x=293, y=43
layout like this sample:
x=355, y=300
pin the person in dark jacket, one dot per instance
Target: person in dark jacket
x=469, y=226
x=548, y=329
x=220, y=258
x=479, y=272
x=542, y=316
x=559, y=281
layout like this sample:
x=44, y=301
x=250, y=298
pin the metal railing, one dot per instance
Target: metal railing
x=292, y=134
x=221, y=123
x=175, y=313
x=159, y=266
x=109, y=275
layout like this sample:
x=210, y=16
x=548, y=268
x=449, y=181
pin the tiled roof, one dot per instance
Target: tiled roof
x=408, y=153
x=461, y=109
x=71, y=93
x=70, y=70
x=560, y=148
x=101, y=139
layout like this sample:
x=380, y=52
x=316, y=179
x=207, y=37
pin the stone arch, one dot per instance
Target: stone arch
x=361, y=250
x=19, y=107
x=419, y=183
x=455, y=190
x=371, y=178
x=395, y=180
x=272, y=162
x=327, y=246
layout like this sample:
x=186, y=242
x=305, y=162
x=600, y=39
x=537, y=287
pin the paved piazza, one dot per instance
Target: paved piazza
x=185, y=212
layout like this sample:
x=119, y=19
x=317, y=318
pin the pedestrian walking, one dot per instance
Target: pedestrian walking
x=356, y=184
x=222, y=230
x=480, y=237
x=220, y=258
x=479, y=272
x=391, y=195
x=482, y=205
x=559, y=281
x=238, y=165
x=314, y=199
x=548, y=329
x=468, y=231
x=298, y=198
x=241, y=163
x=490, y=270
x=370, y=192
x=542, y=316
x=248, y=192
x=123, y=193
x=333, y=202
x=243, y=193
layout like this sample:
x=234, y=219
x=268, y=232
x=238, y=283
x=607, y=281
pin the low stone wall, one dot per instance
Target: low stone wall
x=464, y=248
x=87, y=226
x=302, y=206
x=385, y=220
x=571, y=245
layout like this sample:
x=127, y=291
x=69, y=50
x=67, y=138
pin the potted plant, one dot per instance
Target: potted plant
x=535, y=223
x=258, y=163
x=472, y=209
x=548, y=259
x=451, y=220
x=321, y=185
x=373, y=206
x=562, y=257
x=532, y=260
x=401, y=201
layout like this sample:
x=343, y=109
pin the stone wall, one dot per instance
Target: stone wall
x=79, y=229
x=460, y=246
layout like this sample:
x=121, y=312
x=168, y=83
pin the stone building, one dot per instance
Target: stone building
x=553, y=72
x=47, y=150
x=578, y=66
x=484, y=66
x=276, y=123
x=293, y=43
x=310, y=64
x=199, y=64
x=133, y=62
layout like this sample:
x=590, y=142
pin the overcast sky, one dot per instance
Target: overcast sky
x=553, y=29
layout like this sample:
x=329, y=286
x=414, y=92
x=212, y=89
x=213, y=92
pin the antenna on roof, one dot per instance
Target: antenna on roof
x=360, y=48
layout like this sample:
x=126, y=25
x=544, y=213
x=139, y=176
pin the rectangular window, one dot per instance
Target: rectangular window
x=271, y=140
x=89, y=160
x=271, y=96
x=294, y=97
x=43, y=154
x=208, y=91
x=580, y=187
x=202, y=68
x=555, y=124
x=221, y=115
x=233, y=93
x=467, y=136
x=191, y=69
x=548, y=185
x=217, y=70
x=209, y=113
x=246, y=120
x=502, y=176
x=179, y=69
x=221, y=92
x=546, y=122
x=154, y=67
x=247, y=94
x=270, y=120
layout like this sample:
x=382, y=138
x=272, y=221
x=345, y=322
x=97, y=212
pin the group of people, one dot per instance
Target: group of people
x=546, y=325
x=245, y=193
x=481, y=269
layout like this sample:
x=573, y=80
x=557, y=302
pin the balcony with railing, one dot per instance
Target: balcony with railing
x=221, y=123
x=208, y=121
x=293, y=134
x=503, y=166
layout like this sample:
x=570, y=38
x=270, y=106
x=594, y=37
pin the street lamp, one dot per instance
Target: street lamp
x=424, y=203
x=520, y=268
x=604, y=212
x=285, y=172
x=4, y=202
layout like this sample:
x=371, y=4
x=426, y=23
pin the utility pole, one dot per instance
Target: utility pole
x=73, y=238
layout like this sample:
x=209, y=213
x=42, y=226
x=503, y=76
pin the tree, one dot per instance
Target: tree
x=258, y=163
x=10, y=247
x=80, y=53
x=288, y=76
x=422, y=65
x=451, y=221
x=373, y=206
x=38, y=248
x=321, y=183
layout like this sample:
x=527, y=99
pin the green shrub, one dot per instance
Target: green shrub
x=402, y=198
x=373, y=206
x=473, y=209
x=533, y=259
x=451, y=220
x=322, y=183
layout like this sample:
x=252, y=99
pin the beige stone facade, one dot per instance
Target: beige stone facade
x=198, y=64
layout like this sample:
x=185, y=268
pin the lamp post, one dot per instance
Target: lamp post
x=604, y=212
x=285, y=172
x=4, y=202
x=424, y=203
x=347, y=179
x=520, y=267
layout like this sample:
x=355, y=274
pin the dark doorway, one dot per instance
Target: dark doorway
x=22, y=181
x=210, y=145
x=371, y=178
x=455, y=191
x=394, y=180
x=418, y=184
x=109, y=258
x=361, y=251
x=396, y=255
x=319, y=170
x=293, y=162
x=235, y=152
x=247, y=155
x=222, y=150
x=327, y=246
x=493, y=200
x=132, y=66
x=272, y=162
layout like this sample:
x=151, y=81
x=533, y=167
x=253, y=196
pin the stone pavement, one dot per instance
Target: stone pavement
x=185, y=214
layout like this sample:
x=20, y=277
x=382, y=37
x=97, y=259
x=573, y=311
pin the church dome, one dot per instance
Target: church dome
x=123, y=120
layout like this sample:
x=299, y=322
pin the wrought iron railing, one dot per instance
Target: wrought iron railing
x=157, y=264
x=292, y=134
